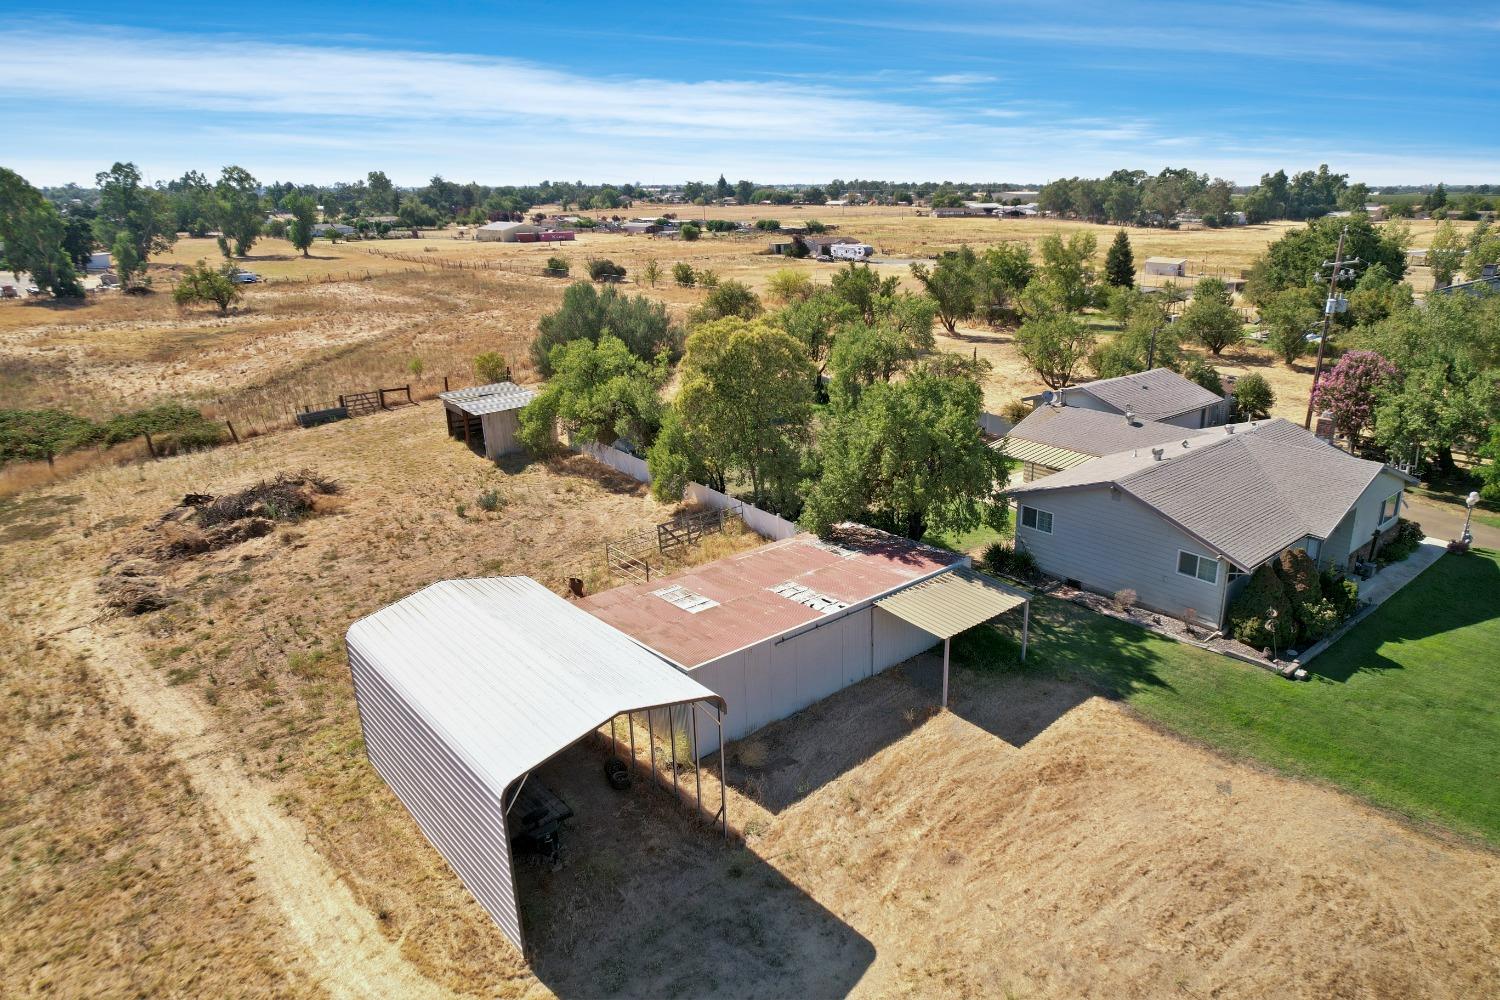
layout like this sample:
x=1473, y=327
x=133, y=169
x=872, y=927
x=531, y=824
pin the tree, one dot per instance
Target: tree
x=861, y=287
x=1055, y=347
x=1438, y=198
x=1484, y=248
x=1148, y=341
x=141, y=213
x=380, y=193
x=744, y=191
x=1202, y=373
x=908, y=456
x=815, y=322
x=722, y=189
x=1297, y=258
x=42, y=435
x=32, y=235
x=729, y=298
x=1289, y=315
x=743, y=410
x=490, y=367
x=237, y=208
x=598, y=392
x=1065, y=281
x=789, y=285
x=1350, y=390
x=127, y=265
x=951, y=283
x=1446, y=255
x=202, y=283
x=651, y=272
x=1119, y=262
x=1376, y=296
x=587, y=313
x=688, y=232
x=682, y=273
x=864, y=354
x=1002, y=274
x=1253, y=397
x=78, y=237
x=1210, y=319
x=304, y=215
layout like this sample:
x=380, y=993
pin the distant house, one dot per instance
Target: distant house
x=1375, y=212
x=321, y=228
x=779, y=247
x=1183, y=524
x=1159, y=395
x=1487, y=283
x=1172, y=267
x=504, y=232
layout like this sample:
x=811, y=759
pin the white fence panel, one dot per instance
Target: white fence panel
x=762, y=523
x=616, y=459
x=994, y=424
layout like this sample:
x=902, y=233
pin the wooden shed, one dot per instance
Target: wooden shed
x=487, y=417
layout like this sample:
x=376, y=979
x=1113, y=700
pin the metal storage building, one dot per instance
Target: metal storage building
x=1173, y=267
x=467, y=686
x=487, y=417
x=503, y=232
x=780, y=627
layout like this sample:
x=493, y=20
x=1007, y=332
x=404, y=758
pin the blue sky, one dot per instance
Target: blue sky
x=776, y=92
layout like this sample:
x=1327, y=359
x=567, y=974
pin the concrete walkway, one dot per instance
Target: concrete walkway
x=1380, y=588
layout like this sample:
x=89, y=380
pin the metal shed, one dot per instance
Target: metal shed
x=467, y=686
x=486, y=416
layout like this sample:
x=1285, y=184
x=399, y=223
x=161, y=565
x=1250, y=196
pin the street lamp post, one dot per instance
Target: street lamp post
x=1471, y=501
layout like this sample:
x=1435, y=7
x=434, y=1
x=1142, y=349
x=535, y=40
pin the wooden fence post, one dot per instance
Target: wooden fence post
x=232, y=434
x=149, y=446
x=445, y=383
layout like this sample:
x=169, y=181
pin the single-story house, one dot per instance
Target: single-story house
x=321, y=228
x=503, y=232
x=1053, y=438
x=1487, y=283
x=821, y=245
x=1159, y=395
x=1184, y=524
x=774, y=629
x=641, y=228
x=1172, y=267
x=487, y=417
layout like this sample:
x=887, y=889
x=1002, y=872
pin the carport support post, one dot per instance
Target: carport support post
x=1025, y=628
x=672, y=742
x=630, y=722
x=697, y=772
x=651, y=738
x=946, y=642
x=723, y=774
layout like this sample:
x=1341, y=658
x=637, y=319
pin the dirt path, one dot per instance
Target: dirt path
x=345, y=949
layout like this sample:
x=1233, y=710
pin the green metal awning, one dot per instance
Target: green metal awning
x=1041, y=454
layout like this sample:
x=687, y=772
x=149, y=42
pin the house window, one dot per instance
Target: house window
x=1037, y=520
x=1202, y=567
x=1390, y=507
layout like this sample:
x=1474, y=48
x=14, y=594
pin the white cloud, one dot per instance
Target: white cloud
x=961, y=79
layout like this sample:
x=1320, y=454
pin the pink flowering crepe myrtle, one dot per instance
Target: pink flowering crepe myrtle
x=1349, y=390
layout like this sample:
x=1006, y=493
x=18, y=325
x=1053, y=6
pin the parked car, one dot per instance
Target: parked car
x=246, y=278
x=9, y=292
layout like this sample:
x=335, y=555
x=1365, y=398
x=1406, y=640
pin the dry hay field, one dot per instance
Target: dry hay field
x=187, y=809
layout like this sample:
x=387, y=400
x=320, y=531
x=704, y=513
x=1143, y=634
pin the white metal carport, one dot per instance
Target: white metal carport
x=467, y=686
x=947, y=605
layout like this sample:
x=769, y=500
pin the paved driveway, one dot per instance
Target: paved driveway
x=1446, y=521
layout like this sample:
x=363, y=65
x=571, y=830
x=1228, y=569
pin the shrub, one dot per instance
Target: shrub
x=1203, y=373
x=1343, y=593
x=1016, y=410
x=1302, y=584
x=172, y=426
x=490, y=501
x=651, y=272
x=708, y=278
x=769, y=225
x=416, y=366
x=719, y=226
x=815, y=227
x=36, y=435
x=1319, y=620
x=1124, y=600
x=789, y=285
x=732, y=298
x=1253, y=397
x=683, y=274
x=558, y=266
x=588, y=313
x=1247, y=613
x=490, y=367
x=209, y=285
x=605, y=270
x=1403, y=543
x=1002, y=559
x=689, y=232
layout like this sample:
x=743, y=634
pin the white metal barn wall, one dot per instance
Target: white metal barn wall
x=780, y=676
x=453, y=808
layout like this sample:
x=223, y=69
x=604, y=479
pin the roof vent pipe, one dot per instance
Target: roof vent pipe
x=1130, y=417
x=1229, y=428
x=1157, y=453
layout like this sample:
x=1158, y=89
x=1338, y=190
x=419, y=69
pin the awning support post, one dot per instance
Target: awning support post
x=672, y=744
x=1025, y=628
x=651, y=738
x=697, y=771
x=630, y=721
x=723, y=774
x=946, y=643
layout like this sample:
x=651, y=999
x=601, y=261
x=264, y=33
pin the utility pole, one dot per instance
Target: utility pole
x=1330, y=306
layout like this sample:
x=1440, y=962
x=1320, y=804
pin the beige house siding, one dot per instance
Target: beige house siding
x=1108, y=541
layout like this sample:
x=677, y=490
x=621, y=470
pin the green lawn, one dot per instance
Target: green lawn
x=1404, y=710
x=972, y=541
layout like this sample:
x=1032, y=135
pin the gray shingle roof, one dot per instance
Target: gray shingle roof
x=478, y=400
x=1247, y=494
x=1092, y=432
x=1154, y=395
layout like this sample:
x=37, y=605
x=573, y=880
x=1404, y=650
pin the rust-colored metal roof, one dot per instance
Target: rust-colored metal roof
x=861, y=564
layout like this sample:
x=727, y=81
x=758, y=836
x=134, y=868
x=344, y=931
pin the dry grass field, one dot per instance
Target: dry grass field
x=219, y=832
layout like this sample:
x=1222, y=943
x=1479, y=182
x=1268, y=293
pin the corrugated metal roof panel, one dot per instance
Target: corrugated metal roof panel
x=509, y=673
x=478, y=400
x=947, y=605
x=1042, y=454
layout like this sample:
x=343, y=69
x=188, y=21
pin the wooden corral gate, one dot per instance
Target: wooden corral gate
x=360, y=404
x=631, y=557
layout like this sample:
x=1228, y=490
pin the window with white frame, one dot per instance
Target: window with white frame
x=1201, y=567
x=1037, y=520
x=1390, y=507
